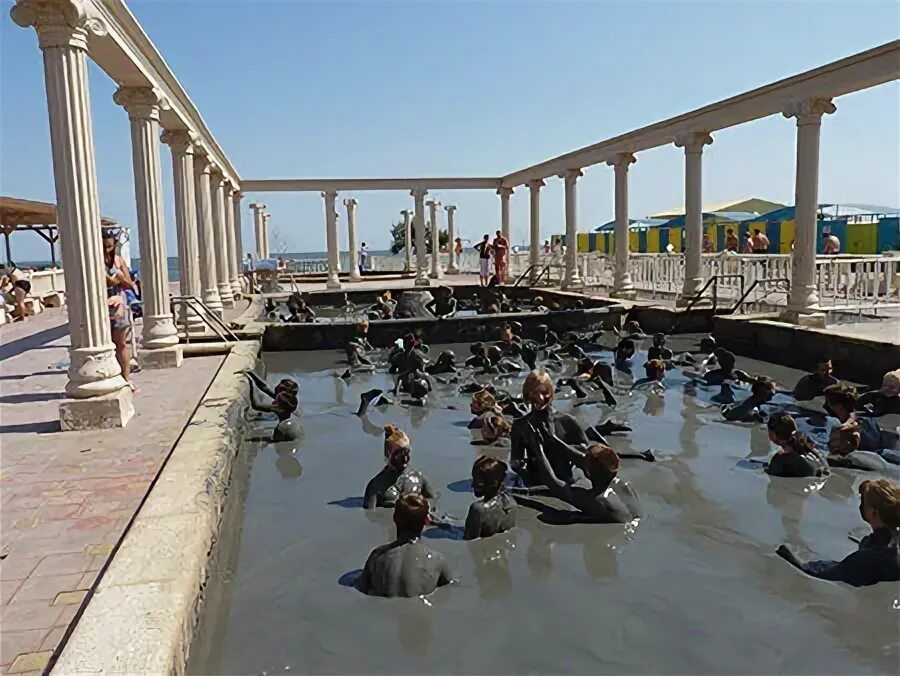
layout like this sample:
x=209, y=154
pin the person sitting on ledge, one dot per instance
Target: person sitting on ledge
x=798, y=456
x=659, y=350
x=749, y=410
x=841, y=402
x=495, y=511
x=843, y=451
x=600, y=495
x=442, y=304
x=813, y=384
x=883, y=401
x=383, y=307
x=878, y=557
x=405, y=567
x=397, y=477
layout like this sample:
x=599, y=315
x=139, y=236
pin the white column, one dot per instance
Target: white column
x=205, y=242
x=437, y=271
x=230, y=259
x=534, y=247
x=265, y=234
x=452, y=265
x=571, y=276
x=93, y=369
x=143, y=105
x=236, y=196
x=351, y=239
x=803, y=298
x=622, y=284
x=504, y=212
x=331, y=236
x=693, y=212
x=407, y=228
x=418, y=195
x=258, y=210
x=220, y=238
x=181, y=144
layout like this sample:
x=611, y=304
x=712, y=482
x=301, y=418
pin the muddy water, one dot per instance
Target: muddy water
x=694, y=588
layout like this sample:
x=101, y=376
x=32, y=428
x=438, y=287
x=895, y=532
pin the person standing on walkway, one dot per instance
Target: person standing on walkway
x=501, y=256
x=760, y=242
x=731, y=242
x=708, y=246
x=484, y=260
x=747, y=246
x=363, y=257
x=458, y=246
x=832, y=244
x=118, y=279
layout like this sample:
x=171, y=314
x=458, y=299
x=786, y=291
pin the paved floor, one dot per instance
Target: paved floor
x=68, y=497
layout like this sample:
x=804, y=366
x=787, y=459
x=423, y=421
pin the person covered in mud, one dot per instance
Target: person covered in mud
x=725, y=369
x=299, y=311
x=409, y=357
x=599, y=495
x=497, y=363
x=699, y=355
x=843, y=451
x=623, y=355
x=284, y=385
x=537, y=305
x=656, y=372
x=750, y=409
x=283, y=406
x=405, y=567
x=632, y=331
x=397, y=477
x=813, y=384
x=545, y=337
x=483, y=402
x=495, y=429
x=798, y=456
x=442, y=304
x=878, y=557
x=494, y=512
x=659, y=350
x=445, y=363
x=383, y=308
x=886, y=399
x=417, y=384
x=841, y=402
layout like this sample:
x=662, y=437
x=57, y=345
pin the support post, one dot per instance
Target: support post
x=693, y=212
x=534, y=250
x=622, y=284
x=265, y=234
x=205, y=242
x=220, y=237
x=437, y=271
x=803, y=299
x=236, y=196
x=408, y=243
x=418, y=195
x=331, y=236
x=505, y=194
x=233, y=275
x=452, y=264
x=571, y=277
x=258, y=211
x=350, y=204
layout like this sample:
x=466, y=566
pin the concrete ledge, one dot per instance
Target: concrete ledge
x=143, y=614
x=97, y=413
x=164, y=358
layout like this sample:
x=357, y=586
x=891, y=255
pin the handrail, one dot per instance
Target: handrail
x=756, y=282
x=209, y=318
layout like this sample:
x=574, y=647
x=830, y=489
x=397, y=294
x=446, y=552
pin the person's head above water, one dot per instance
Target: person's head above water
x=624, y=350
x=879, y=504
x=659, y=339
x=537, y=390
x=410, y=515
x=516, y=328
x=655, y=369
x=763, y=388
x=890, y=384
x=495, y=427
x=284, y=405
x=844, y=438
x=506, y=333
x=783, y=431
x=394, y=439
x=601, y=464
x=631, y=327
x=840, y=400
x=725, y=358
x=482, y=402
x=494, y=354
x=823, y=366
x=494, y=281
x=707, y=344
x=362, y=326
x=287, y=385
x=488, y=475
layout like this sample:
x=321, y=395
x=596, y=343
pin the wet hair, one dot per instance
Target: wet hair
x=447, y=356
x=285, y=402
x=762, y=385
x=494, y=354
x=362, y=325
x=287, y=385
x=394, y=438
x=411, y=513
x=632, y=327
x=842, y=394
x=725, y=358
x=536, y=300
x=494, y=427
x=884, y=497
x=847, y=435
x=625, y=346
x=655, y=368
x=482, y=402
x=516, y=328
x=659, y=339
x=890, y=384
x=537, y=381
x=708, y=343
x=489, y=471
x=822, y=358
x=784, y=428
x=600, y=460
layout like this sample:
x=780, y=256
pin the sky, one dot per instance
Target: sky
x=295, y=89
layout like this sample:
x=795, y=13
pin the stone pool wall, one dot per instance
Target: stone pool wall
x=143, y=615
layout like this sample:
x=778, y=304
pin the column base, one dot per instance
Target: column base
x=213, y=302
x=624, y=294
x=167, y=358
x=452, y=270
x=333, y=284
x=354, y=278
x=159, y=332
x=814, y=320
x=236, y=290
x=572, y=282
x=422, y=281
x=97, y=413
x=437, y=275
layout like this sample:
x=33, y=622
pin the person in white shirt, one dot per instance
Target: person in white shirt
x=832, y=244
x=363, y=257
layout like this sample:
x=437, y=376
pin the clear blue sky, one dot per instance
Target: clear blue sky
x=322, y=89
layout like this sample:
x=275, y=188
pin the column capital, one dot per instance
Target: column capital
x=433, y=203
x=216, y=177
x=141, y=102
x=622, y=161
x=419, y=192
x=181, y=141
x=257, y=206
x=405, y=212
x=330, y=195
x=536, y=184
x=450, y=208
x=693, y=142
x=59, y=23
x=350, y=202
x=810, y=111
x=504, y=192
x=572, y=174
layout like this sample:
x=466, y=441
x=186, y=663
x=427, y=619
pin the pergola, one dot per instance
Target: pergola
x=207, y=188
x=18, y=215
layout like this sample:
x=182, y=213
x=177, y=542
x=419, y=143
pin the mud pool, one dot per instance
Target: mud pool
x=694, y=588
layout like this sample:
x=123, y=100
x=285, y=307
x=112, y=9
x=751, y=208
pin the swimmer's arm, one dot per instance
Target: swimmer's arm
x=452, y=311
x=260, y=383
x=256, y=406
x=370, y=497
x=548, y=471
x=431, y=305
x=364, y=581
x=446, y=575
x=856, y=569
x=473, y=522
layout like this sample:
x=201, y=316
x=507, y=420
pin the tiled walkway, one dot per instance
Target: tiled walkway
x=67, y=497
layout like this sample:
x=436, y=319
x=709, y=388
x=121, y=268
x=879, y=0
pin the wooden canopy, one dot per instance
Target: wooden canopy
x=15, y=212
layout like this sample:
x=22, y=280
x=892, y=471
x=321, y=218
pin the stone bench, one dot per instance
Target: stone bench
x=55, y=298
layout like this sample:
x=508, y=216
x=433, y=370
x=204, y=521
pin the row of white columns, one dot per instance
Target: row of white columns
x=207, y=208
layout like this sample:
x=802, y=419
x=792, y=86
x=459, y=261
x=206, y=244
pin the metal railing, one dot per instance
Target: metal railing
x=191, y=305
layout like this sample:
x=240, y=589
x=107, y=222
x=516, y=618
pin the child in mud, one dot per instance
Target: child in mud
x=841, y=402
x=798, y=456
x=659, y=350
x=886, y=399
x=749, y=410
x=495, y=430
x=405, y=567
x=600, y=496
x=656, y=371
x=397, y=477
x=495, y=511
x=843, y=451
x=878, y=557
